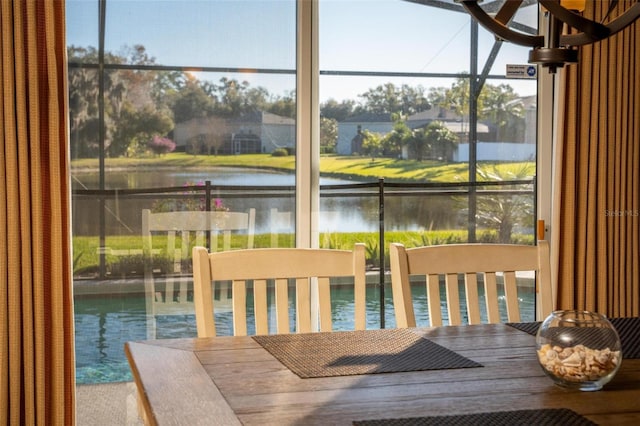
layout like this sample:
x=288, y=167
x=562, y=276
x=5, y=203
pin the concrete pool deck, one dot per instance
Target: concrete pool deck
x=107, y=404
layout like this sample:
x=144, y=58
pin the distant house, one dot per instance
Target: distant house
x=436, y=113
x=452, y=121
x=349, y=131
x=252, y=132
x=488, y=148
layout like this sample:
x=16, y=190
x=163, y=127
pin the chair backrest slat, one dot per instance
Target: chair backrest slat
x=433, y=295
x=472, y=299
x=511, y=296
x=303, y=305
x=324, y=298
x=491, y=296
x=239, y=302
x=496, y=262
x=260, y=306
x=453, y=299
x=282, y=306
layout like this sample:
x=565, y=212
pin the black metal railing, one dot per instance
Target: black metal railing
x=379, y=189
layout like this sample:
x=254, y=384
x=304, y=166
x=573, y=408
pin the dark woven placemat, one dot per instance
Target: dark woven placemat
x=628, y=329
x=528, y=327
x=549, y=416
x=344, y=353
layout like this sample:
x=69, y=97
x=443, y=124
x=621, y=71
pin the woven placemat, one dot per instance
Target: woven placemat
x=528, y=327
x=628, y=329
x=548, y=416
x=344, y=353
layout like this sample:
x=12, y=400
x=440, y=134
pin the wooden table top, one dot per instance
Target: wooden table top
x=234, y=380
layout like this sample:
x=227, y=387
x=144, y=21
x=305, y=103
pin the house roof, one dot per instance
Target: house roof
x=455, y=126
x=435, y=113
x=369, y=117
x=460, y=127
x=258, y=117
x=263, y=118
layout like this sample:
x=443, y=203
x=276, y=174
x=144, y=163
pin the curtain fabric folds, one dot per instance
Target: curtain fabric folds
x=37, y=365
x=598, y=180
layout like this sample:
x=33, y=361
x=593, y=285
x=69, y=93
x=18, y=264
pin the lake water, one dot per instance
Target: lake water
x=344, y=214
x=338, y=212
x=119, y=179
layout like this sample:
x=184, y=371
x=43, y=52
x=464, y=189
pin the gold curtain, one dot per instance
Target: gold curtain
x=37, y=364
x=598, y=179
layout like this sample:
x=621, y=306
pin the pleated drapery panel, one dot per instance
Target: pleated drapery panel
x=598, y=180
x=37, y=361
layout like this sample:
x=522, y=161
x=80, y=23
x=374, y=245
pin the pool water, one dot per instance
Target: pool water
x=103, y=323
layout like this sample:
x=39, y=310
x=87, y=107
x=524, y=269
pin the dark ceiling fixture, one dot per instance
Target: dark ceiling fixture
x=555, y=48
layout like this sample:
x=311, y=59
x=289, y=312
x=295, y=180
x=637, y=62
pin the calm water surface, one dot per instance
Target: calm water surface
x=337, y=213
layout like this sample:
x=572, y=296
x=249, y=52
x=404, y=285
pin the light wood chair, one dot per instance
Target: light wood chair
x=181, y=230
x=496, y=262
x=276, y=266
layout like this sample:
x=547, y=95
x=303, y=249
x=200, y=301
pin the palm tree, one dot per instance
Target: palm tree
x=503, y=212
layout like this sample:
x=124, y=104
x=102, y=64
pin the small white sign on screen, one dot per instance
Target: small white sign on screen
x=521, y=71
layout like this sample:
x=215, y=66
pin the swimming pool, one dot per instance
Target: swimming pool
x=105, y=321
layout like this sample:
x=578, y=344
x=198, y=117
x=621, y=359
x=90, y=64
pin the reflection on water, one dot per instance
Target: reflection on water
x=137, y=179
x=337, y=213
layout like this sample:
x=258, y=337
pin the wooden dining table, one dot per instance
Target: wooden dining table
x=238, y=380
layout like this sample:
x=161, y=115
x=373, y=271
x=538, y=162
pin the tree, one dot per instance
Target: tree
x=284, y=106
x=159, y=145
x=502, y=212
x=457, y=98
x=504, y=108
x=371, y=144
x=256, y=98
x=132, y=99
x=441, y=140
x=499, y=105
x=419, y=145
x=191, y=101
x=135, y=127
x=218, y=132
x=139, y=83
x=328, y=134
x=84, y=106
x=393, y=141
x=389, y=99
x=232, y=97
x=438, y=97
x=338, y=111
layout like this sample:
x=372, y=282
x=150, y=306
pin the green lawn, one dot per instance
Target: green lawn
x=356, y=168
x=86, y=258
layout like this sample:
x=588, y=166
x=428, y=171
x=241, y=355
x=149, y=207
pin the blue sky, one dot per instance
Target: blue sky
x=368, y=35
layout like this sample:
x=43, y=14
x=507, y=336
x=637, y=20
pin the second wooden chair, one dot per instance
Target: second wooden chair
x=491, y=261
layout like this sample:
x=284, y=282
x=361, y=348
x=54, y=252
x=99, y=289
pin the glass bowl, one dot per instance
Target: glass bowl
x=578, y=349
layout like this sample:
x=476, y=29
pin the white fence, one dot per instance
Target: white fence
x=497, y=151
